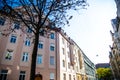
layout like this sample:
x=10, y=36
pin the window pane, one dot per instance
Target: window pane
x=40, y=45
x=52, y=47
x=51, y=60
x=63, y=50
x=3, y=74
x=51, y=76
x=2, y=21
x=13, y=39
x=64, y=76
x=27, y=42
x=29, y=30
x=63, y=63
x=68, y=65
x=39, y=59
x=16, y=25
x=22, y=75
x=52, y=35
x=69, y=77
x=25, y=57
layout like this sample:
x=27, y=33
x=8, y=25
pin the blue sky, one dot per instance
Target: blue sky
x=90, y=29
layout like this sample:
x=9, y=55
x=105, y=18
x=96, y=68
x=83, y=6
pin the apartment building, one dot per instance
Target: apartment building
x=58, y=57
x=115, y=48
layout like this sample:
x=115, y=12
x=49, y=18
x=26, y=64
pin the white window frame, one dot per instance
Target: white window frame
x=52, y=60
x=39, y=59
x=4, y=73
x=13, y=39
x=27, y=42
x=40, y=45
x=25, y=55
x=52, y=76
x=22, y=74
x=52, y=47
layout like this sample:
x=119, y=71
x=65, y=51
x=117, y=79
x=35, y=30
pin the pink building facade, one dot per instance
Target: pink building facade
x=58, y=58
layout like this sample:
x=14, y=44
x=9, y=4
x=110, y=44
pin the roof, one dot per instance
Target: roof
x=102, y=65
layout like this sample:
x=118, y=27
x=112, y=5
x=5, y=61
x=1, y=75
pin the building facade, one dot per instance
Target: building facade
x=58, y=57
x=90, y=70
x=115, y=48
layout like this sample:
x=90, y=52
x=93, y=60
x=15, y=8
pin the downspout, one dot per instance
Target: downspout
x=56, y=51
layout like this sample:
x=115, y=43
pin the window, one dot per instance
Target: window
x=63, y=50
x=68, y=65
x=52, y=60
x=68, y=54
x=39, y=59
x=51, y=76
x=64, y=76
x=9, y=54
x=70, y=77
x=52, y=36
x=3, y=74
x=29, y=30
x=63, y=40
x=2, y=21
x=78, y=78
x=63, y=63
x=25, y=57
x=40, y=45
x=27, y=42
x=16, y=25
x=22, y=75
x=74, y=77
x=52, y=47
x=13, y=39
x=67, y=44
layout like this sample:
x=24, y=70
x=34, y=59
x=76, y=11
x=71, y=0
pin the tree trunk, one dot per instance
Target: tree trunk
x=34, y=56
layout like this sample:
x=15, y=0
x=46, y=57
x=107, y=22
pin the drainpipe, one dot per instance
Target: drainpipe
x=56, y=51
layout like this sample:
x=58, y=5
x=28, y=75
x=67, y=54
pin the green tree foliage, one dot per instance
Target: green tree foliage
x=104, y=73
x=35, y=13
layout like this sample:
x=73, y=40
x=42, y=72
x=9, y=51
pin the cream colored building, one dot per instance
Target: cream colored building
x=115, y=50
x=58, y=58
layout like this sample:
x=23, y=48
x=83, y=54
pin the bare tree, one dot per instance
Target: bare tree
x=34, y=14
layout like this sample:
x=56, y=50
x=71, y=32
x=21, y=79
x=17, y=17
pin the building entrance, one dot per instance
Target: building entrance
x=38, y=77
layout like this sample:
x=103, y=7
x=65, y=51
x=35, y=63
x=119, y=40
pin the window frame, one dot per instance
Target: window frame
x=16, y=25
x=52, y=76
x=27, y=42
x=13, y=39
x=63, y=51
x=52, y=47
x=25, y=57
x=52, y=60
x=29, y=30
x=40, y=45
x=2, y=21
x=3, y=74
x=22, y=75
x=52, y=36
x=64, y=76
x=63, y=62
x=39, y=59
